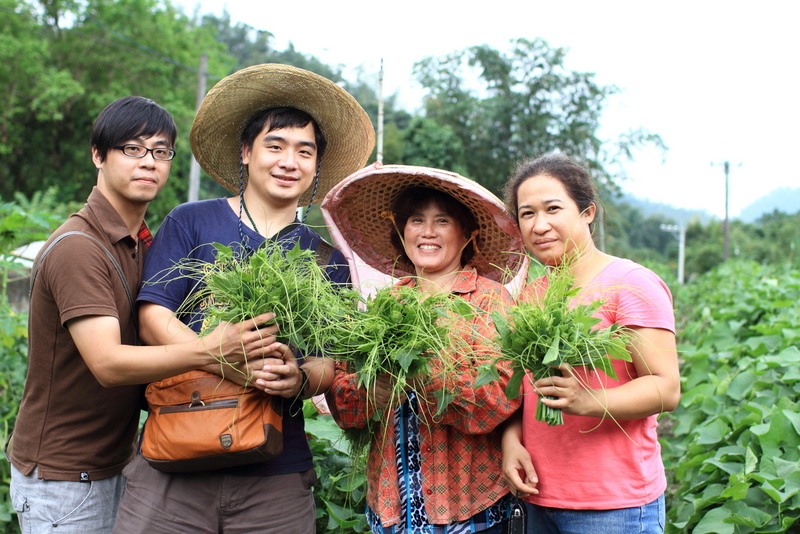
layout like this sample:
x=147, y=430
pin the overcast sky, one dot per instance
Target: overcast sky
x=716, y=79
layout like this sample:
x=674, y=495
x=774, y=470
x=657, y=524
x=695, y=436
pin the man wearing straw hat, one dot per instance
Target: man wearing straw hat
x=278, y=137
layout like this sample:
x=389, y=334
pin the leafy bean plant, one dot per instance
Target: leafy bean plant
x=341, y=487
x=21, y=221
x=734, y=452
x=13, y=363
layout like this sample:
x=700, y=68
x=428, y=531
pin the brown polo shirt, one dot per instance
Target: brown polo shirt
x=69, y=426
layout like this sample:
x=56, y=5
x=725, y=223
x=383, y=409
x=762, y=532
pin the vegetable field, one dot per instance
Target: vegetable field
x=733, y=448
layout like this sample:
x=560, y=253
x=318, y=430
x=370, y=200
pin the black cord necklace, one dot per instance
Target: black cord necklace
x=250, y=217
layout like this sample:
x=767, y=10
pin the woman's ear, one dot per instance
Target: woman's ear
x=589, y=213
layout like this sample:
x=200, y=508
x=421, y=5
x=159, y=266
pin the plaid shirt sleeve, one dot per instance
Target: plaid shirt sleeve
x=474, y=410
x=347, y=401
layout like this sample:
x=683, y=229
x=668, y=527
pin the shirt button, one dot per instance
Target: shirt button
x=429, y=492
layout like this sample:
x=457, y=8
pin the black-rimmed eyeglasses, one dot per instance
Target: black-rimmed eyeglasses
x=138, y=151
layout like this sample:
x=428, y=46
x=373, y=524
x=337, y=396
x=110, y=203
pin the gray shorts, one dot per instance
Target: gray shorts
x=65, y=507
x=196, y=503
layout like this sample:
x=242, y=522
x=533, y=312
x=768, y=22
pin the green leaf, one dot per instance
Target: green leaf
x=463, y=308
x=745, y=515
x=443, y=399
x=514, y=384
x=406, y=358
x=713, y=522
x=618, y=350
x=741, y=386
x=728, y=467
x=552, y=355
x=223, y=251
x=793, y=418
x=501, y=324
x=712, y=432
x=751, y=461
x=487, y=373
x=736, y=490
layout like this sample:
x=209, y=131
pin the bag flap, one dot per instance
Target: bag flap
x=179, y=389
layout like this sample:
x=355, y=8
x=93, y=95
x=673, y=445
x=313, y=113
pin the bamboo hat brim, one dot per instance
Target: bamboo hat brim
x=233, y=101
x=354, y=210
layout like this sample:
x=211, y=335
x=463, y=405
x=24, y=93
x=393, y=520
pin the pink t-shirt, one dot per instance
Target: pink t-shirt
x=593, y=464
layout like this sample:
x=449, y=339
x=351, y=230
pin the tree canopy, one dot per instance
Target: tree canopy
x=505, y=107
x=63, y=61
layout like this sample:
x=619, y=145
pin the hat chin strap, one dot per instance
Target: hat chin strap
x=313, y=192
x=474, y=239
x=245, y=240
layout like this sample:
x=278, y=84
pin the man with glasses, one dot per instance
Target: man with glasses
x=77, y=422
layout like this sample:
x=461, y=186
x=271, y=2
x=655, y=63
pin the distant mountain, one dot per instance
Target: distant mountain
x=785, y=199
x=679, y=215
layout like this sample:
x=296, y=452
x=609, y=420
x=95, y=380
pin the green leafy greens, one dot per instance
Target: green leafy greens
x=538, y=336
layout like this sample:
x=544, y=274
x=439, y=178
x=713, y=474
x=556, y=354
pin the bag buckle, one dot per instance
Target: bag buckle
x=196, y=401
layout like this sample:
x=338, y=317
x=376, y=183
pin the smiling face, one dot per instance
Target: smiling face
x=434, y=241
x=551, y=223
x=133, y=181
x=281, y=164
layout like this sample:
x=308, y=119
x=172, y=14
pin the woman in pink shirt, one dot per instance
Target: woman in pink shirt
x=601, y=471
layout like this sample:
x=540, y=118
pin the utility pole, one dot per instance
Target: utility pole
x=726, y=166
x=680, y=232
x=194, y=171
x=726, y=228
x=380, y=115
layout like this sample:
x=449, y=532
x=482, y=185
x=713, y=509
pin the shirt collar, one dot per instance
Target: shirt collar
x=110, y=222
x=144, y=234
x=466, y=281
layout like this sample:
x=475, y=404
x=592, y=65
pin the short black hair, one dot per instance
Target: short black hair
x=278, y=119
x=128, y=118
x=416, y=198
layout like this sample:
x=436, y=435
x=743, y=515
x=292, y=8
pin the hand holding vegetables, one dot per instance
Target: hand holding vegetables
x=547, y=334
x=565, y=392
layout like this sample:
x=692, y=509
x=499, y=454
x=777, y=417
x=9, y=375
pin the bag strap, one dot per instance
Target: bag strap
x=110, y=256
x=324, y=252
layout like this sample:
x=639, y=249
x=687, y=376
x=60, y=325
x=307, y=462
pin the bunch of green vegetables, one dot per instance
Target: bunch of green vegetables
x=401, y=333
x=537, y=337
x=288, y=283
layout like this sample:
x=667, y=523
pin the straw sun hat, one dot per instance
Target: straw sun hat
x=355, y=213
x=233, y=101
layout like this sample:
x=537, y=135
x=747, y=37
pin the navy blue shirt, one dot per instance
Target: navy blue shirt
x=187, y=232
